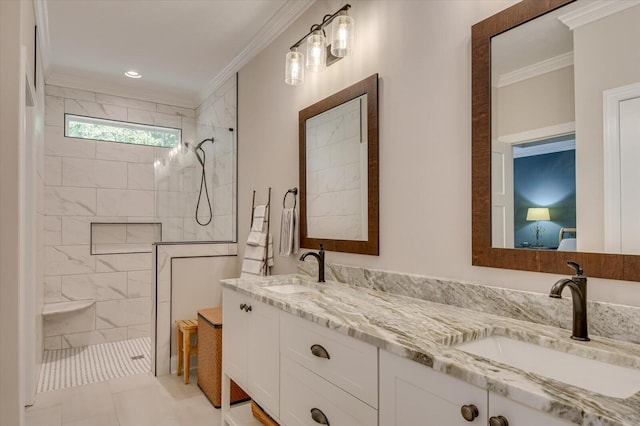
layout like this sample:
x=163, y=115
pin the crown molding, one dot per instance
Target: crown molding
x=592, y=11
x=42, y=20
x=101, y=85
x=539, y=134
x=285, y=16
x=534, y=70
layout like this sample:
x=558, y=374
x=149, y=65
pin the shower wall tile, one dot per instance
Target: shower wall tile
x=77, y=340
x=189, y=130
x=115, y=202
x=154, y=118
x=124, y=152
x=52, y=289
x=94, y=109
x=98, y=286
x=53, y=111
x=139, y=283
x=70, y=322
x=52, y=171
x=66, y=92
x=68, y=260
x=140, y=176
x=176, y=110
x=52, y=230
x=69, y=201
x=140, y=330
x=122, y=313
x=52, y=343
x=123, y=262
x=56, y=144
x=94, y=173
x=125, y=102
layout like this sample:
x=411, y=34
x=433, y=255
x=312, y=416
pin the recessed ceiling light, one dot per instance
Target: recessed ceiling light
x=133, y=74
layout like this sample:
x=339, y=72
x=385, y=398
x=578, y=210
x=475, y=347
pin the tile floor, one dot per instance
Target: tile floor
x=138, y=400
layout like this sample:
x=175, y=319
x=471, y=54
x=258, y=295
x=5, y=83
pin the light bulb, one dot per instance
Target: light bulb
x=294, y=68
x=342, y=30
x=316, y=51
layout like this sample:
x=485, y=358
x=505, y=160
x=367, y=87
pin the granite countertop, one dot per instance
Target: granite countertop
x=424, y=332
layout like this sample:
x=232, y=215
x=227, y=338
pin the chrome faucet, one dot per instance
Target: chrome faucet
x=578, y=286
x=320, y=257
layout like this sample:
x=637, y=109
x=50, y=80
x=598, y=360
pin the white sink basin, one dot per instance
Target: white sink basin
x=593, y=375
x=288, y=288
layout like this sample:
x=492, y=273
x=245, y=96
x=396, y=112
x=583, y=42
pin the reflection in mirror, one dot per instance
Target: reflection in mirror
x=337, y=172
x=549, y=143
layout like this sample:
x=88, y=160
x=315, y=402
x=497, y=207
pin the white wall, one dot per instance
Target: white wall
x=422, y=52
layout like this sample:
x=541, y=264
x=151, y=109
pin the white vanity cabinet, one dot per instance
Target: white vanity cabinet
x=251, y=348
x=412, y=394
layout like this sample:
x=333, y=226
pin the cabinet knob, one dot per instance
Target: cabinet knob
x=498, y=421
x=242, y=306
x=249, y=308
x=469, y=412
x=320, y=352
x=318, y=416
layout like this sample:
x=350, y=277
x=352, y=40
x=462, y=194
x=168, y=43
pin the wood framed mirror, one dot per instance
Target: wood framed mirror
x=619, y=266
x=338, y=139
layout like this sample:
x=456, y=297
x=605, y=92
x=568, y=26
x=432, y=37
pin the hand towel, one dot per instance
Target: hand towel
x=259, y=218
x=289, y=242
x=258, y=259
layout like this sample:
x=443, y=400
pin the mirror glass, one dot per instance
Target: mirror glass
x=339, y=171
x=565, y=131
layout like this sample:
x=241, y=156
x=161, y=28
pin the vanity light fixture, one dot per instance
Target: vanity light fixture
x=538, y=214
x=321, y=54
x=133, y=74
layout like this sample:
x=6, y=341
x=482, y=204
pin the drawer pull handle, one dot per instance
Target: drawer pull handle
x=469, y=412
x=248, y=308
x=498, y=421
x=320, y=352
x=319, y=417
x=242, y=306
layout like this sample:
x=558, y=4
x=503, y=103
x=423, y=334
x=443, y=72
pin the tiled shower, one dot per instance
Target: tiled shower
x=105, y=203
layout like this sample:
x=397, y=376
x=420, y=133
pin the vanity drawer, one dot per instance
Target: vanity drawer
x=303, y=393
x=352, y=365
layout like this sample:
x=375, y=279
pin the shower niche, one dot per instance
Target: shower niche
x=122, y=238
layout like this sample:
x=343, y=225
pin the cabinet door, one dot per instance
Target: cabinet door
x=520, y=415
x=264, y=356
x=234, y=337
x=413, y=394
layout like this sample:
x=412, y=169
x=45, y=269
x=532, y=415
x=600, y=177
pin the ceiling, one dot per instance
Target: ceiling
x=182, y=48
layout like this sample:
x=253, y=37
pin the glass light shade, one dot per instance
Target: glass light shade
x=294, y=68
x=316, y=51
x=538, y=213
x=342, y=29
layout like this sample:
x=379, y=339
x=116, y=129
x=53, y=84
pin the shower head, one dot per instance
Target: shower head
x=203, y=141
x=199, y=147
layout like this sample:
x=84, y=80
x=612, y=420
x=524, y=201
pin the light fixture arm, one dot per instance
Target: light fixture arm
x=325, y=21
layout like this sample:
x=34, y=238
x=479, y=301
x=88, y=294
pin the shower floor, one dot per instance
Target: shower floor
x=64, y=368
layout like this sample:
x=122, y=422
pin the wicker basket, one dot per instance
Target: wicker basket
x=210, y=358
x=263, y=417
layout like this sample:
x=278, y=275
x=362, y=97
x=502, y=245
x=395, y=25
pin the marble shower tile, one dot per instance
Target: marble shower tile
x=54, y=111
x=154, y=118
x=140, y=176
x=68, y=260
x=91, y=173
x=98, y=286
x=139, y=283
x=70, y=201
x=52, y=289
x=56, y=144
x=125, y=102
x=125, y=202
x=52, y=230
x=71, y=322
x=78, y=340
x=124, y=152
x=122, y=313
x=94, y=109
x=176, y=110
x=136, y=331
x=123, y=262
x=52, y=343
x=52, y=171
x=66, y=92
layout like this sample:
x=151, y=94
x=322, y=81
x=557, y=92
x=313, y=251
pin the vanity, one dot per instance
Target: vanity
x=332, y=353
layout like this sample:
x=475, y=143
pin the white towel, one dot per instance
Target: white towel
x=259, y=218
x=289, y=242
x=258, y=259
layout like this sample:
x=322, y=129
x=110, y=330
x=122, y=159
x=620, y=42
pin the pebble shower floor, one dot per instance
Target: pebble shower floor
x=64, y=368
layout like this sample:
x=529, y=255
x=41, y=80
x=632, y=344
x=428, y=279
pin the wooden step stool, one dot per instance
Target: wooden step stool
x=185, y=329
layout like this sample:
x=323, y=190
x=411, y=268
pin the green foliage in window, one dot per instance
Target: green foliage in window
x=106, y=132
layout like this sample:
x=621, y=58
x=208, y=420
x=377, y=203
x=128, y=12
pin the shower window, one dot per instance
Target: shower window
x=77, y=126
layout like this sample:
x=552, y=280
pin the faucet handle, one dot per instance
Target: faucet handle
x=575, y=266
